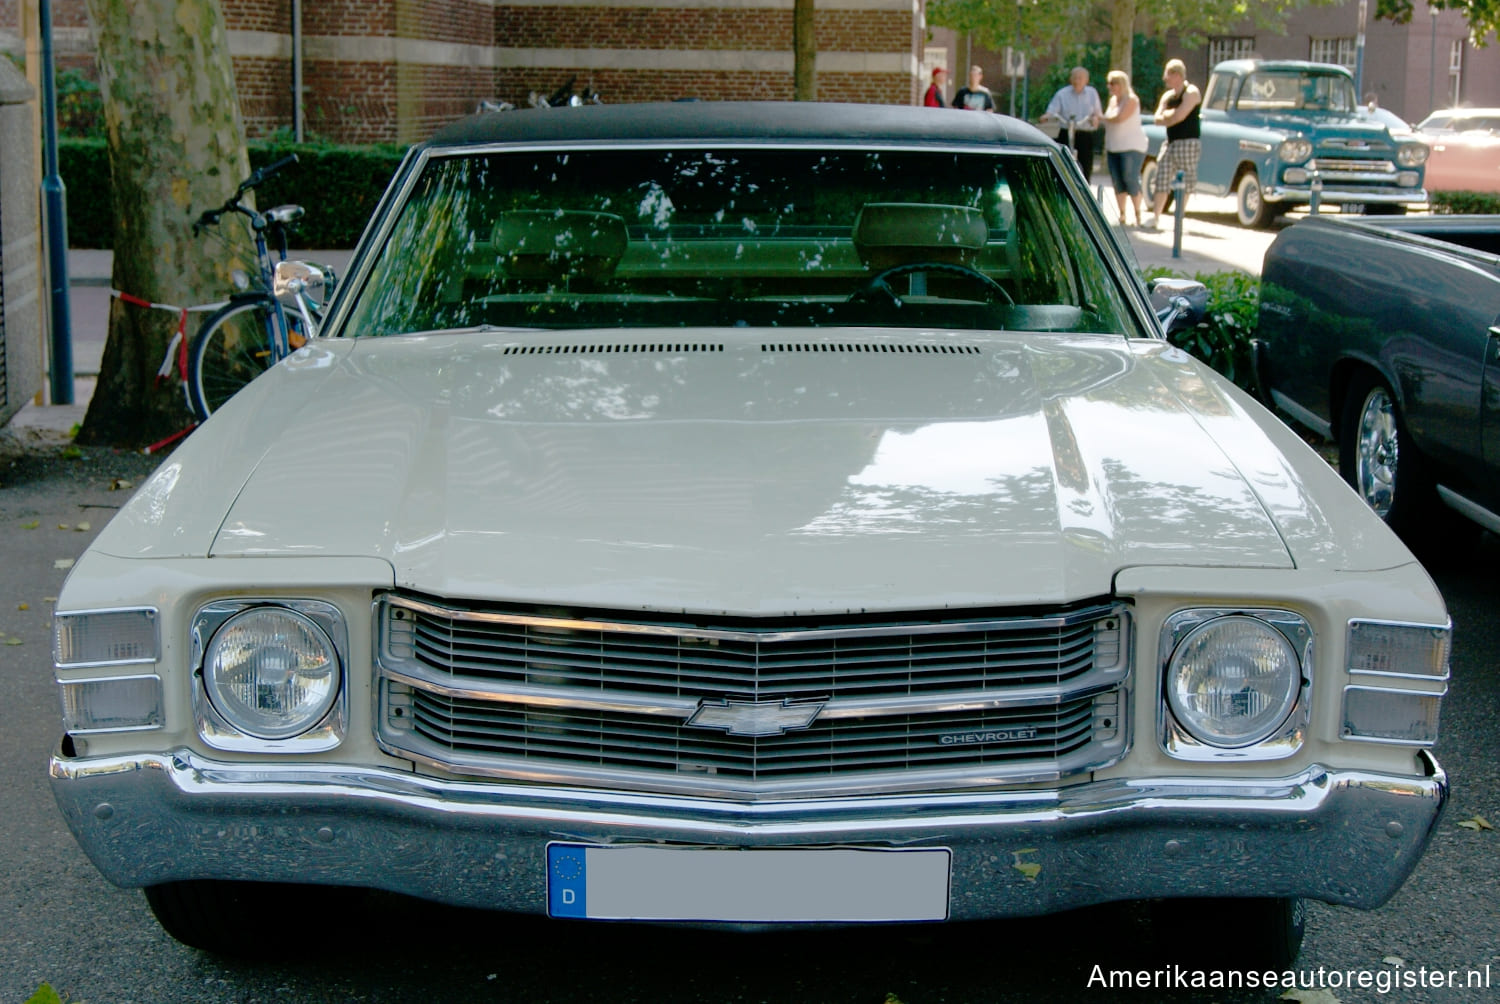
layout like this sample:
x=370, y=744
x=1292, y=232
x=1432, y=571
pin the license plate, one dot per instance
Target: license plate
x=831, y=885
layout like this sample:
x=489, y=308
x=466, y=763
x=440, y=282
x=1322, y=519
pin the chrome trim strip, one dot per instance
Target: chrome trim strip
x=684, y=707
x=1331, y=195
x=1321, y=426
x=396, y=602
x=1468, y=507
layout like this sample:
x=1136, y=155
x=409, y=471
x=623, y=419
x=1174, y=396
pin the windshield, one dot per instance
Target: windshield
x=1281, y=90
x=738, y=237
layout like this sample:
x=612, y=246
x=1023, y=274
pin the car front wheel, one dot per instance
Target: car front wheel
x=1376, y=455
x=1250, y=207
x=241, y=918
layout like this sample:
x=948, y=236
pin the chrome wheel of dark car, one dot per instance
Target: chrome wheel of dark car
x=1250, y=207
x=1375, y=454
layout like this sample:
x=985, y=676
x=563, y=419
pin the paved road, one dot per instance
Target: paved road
x=62, y=923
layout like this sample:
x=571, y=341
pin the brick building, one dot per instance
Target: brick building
x=393, y=70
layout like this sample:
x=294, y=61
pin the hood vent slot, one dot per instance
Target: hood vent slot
x=873, y=348
x=654, y=348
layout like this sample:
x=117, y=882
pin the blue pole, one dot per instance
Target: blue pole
x=55, y=219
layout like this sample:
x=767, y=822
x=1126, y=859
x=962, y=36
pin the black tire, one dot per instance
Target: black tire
x=241, y=918
x=229, y=351
x=1377, y=457
x=1148, y=185
x=1245, y=934
x=1250, y=207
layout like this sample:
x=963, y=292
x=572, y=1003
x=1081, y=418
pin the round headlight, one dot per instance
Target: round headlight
x=271, y=672
x=1233, y=680
x=1294, y=150
x=1412, y=154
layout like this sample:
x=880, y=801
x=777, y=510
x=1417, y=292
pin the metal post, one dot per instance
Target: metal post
x=297, y=70
x=1359, y=52
x=55, y=219
x=1432, y=60
x=1178, y=209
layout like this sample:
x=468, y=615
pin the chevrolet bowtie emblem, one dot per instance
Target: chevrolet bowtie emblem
x=751, y=718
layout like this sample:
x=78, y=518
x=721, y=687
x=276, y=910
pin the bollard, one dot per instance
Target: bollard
x=1178, y=208
x=1317, y=194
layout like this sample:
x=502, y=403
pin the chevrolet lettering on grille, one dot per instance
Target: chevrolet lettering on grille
x=987, y=736
x=751, y=718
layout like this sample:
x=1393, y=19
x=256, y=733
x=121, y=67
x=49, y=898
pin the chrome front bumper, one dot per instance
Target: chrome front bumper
x=1340, y=836
x=1338, y=196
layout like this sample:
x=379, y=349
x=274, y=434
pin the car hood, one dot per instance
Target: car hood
x=821, y=473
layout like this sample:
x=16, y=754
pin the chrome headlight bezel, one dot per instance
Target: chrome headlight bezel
x=217, y=731
x=1296, y=149
x=1283, y=739
x=1412, y=154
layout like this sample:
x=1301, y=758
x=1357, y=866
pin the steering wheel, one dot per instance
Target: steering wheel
x=879, y=282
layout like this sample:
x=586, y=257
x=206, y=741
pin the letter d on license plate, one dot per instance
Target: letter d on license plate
x=832, y=885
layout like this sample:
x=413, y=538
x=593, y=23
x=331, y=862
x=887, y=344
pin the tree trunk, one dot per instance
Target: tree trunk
x=176, y=148
x=804, y=52
x=1122, y=35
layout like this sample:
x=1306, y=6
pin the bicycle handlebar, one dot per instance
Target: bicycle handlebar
x=210, y=217
x=260, y=174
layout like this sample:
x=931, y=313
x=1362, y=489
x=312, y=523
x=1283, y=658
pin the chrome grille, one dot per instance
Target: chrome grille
x=900, y=704
x=1351, y=166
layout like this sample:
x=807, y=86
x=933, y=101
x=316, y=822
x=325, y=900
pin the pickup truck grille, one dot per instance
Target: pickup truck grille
x=1342, y=165
x=721, y=709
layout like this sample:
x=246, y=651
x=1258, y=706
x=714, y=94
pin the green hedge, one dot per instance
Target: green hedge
x=338, y=185
x=1465, y=202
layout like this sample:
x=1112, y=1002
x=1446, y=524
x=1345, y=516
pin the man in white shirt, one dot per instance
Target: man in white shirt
x=1079, y=104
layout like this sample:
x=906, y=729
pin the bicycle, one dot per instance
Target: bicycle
x=254, y=331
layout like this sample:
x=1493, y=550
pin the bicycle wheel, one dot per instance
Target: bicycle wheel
x=229, y=350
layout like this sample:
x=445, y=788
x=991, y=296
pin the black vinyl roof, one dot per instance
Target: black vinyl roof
x=780, y=121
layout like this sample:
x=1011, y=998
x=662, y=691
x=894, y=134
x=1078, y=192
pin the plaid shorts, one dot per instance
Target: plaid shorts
x=1178, y=155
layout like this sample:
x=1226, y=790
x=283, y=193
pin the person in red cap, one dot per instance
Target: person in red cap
x=934, y=98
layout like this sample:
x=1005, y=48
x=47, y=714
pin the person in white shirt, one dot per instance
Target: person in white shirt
x=1078, y=103
x=1124, y=142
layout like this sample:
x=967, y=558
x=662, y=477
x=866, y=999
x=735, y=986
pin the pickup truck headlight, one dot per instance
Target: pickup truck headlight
x=1232, y=680
x=1412, y=154
x=1294, y=150
x=271, y=672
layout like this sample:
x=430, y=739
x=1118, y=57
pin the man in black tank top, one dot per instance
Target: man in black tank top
x=1179, y=110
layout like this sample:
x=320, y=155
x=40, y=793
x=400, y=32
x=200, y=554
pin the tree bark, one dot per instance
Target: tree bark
x=804, y=52
x=176, y=148
x=1122, y=36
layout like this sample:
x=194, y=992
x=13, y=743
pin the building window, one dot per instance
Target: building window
x=1230, y=47
x=1455, y=70
x=1333, y=50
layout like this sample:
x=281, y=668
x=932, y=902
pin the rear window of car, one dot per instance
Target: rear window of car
x=725, y=236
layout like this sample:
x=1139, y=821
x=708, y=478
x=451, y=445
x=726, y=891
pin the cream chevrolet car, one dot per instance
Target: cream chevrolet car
x=749, y=514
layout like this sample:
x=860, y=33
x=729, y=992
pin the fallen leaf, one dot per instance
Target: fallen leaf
x=64, y=526
x=1310, y=997
x=12, y=641
x=1476, y=823
x=23, y=606
x=32, y=525
x=120, y=484
x=49, y=599
x=1394, y=960
x=83, y=526
x=63, y=563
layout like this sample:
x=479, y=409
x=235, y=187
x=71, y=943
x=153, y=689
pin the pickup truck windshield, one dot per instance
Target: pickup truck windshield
x=1286, y=90
x=738, y=236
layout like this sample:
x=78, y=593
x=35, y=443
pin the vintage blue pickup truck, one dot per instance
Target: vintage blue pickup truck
x=1383, y=335
x=1275, y=131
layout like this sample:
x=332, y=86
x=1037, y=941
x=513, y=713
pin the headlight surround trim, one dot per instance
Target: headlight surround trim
x=1286, y=734
x=1412, y=154
x=1294, y=150
x=323, y=731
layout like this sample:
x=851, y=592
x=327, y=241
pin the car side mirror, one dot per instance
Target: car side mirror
x=1179, y=303
x=294, y=279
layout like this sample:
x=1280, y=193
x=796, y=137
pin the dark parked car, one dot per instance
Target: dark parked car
x=1382, y=335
